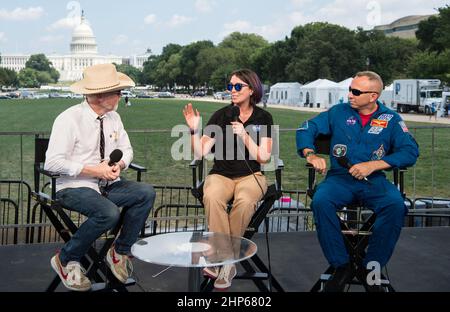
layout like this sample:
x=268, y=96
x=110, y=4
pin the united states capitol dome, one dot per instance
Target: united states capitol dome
x=83, y=39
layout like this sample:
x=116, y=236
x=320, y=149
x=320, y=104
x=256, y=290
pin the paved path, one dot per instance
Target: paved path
x=408, y=117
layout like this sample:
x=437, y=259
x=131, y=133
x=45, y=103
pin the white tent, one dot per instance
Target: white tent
x=387, y=96
x=287, y=93
x=319, y=93
x=342, y=95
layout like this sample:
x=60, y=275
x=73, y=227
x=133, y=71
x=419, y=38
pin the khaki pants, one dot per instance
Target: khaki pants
x=219, y=190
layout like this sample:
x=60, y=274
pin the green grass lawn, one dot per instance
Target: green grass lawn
x=153, y=148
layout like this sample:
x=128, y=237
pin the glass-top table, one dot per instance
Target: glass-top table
x=194, y=250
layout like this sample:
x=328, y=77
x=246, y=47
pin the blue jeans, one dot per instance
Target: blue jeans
x=103, y=214
x=381, y=196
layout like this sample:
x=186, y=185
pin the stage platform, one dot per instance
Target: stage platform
x=421, y=263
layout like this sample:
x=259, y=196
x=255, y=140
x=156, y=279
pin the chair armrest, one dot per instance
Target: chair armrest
x=279, y=167
x=197, y=172
x=137, y=167
x=52, y=175
x=280, y=164
x=195, y=163
x=49, y=174
x=43, y=198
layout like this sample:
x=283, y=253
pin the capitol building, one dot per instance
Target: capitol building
x=83, y=53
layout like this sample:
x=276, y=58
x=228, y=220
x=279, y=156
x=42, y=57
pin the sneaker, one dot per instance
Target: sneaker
x=211, y=272
x=226, y=275
x=120, y=265
x=72, y=275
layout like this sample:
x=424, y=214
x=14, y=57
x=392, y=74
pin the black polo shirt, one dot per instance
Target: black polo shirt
x=228, y=160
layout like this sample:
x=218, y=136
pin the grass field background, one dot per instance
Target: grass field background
x=149, y=122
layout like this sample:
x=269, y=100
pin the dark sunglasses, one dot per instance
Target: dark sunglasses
x=357, y=92
x=237, y=86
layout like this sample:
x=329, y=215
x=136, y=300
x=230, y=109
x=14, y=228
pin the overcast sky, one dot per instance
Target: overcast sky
x=130, y=27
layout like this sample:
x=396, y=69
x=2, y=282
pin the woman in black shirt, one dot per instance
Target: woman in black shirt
x=239, y=135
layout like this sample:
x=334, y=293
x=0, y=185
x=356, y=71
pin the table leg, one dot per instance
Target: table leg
x=194, y=279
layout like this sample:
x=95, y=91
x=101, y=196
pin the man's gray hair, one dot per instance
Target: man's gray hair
x=372, y=76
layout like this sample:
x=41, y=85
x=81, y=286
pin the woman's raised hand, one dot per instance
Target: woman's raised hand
x=191, y=116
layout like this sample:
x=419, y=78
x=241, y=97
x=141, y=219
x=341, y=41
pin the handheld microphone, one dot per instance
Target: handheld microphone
x=115, y=157
x=344, y=162
x=235, y=112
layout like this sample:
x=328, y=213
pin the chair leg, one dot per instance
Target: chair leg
x=252, y=275
x=207, y=285
x=54, y=284
x=318, y=286
x=262, y=267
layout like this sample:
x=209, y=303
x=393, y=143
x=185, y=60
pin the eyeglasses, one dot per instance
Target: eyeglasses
x=357, y=92
x=237, y=86
x=112, y=93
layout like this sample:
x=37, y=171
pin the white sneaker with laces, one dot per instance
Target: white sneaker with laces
x=226, y=275
x=73, y=275
x=120, y=265
x=211, y=272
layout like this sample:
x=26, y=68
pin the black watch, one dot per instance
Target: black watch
x=309, y=153
x=194, y=131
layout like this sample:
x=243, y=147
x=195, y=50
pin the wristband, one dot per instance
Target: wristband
x=309, y=153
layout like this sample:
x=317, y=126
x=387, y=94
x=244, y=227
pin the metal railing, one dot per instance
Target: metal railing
x=22, y=221
x=177, y=210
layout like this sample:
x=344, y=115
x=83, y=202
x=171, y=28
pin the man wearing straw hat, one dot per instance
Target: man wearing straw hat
x=81, y=141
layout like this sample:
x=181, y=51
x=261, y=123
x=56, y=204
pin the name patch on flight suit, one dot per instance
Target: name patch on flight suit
x=377, y=125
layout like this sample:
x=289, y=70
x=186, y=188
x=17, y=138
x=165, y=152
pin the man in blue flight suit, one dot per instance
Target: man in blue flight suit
x=371, y=138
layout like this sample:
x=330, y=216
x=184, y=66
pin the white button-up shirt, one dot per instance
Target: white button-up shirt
x=75, y=143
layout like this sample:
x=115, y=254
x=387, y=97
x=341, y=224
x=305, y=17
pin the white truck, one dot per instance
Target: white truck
x=416, y=95
x=445, y=105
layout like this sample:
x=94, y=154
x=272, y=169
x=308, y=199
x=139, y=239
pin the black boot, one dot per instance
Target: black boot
x=341, y=276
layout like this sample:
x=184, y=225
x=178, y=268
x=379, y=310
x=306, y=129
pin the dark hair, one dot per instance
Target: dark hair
x=251, y=78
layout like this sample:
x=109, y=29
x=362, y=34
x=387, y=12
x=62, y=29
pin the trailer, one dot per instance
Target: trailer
x=416, y=95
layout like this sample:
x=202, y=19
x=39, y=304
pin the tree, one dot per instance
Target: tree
x=215, y=66
x=8, y=77
x=430, y=65
x=244, y=47
x=388, y=56
x=131, y=71
x=270, y=62
x=189, y=63
x=40, y=63
x=322, y=50
x=150, y=67
x=28, y=78
x=434, y=33
x=434, y=41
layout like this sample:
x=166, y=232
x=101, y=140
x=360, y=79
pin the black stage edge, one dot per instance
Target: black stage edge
x=420, y=263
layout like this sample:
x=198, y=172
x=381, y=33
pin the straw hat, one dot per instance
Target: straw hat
x=101, y=78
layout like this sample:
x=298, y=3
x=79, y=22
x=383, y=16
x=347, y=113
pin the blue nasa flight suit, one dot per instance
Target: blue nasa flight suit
x=385, y=137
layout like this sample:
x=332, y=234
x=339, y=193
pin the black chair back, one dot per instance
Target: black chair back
x=40, y=148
